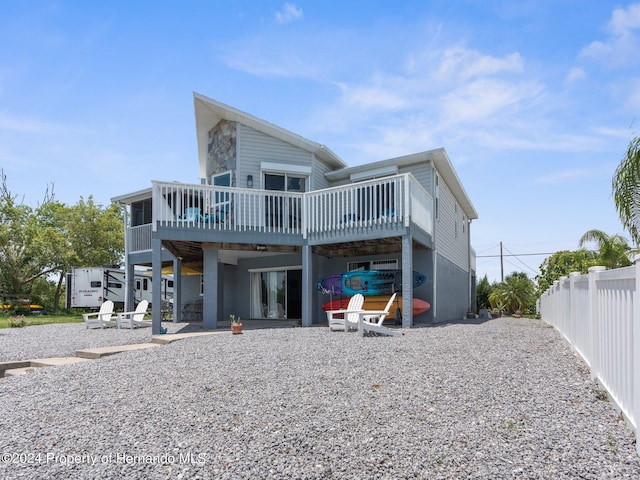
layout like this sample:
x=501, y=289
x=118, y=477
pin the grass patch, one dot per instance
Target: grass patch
x=44, y=319
x=602, y=395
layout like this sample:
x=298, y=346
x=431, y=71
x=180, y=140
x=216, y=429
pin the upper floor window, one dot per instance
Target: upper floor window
x=284, y=182
x=141, y=212
x=221, y=179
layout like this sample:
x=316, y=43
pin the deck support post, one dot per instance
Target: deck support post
x=211, y=272
x=177, y=290
x=307, y=286
x=156, y=282
x=129, y=275
x=407, y=281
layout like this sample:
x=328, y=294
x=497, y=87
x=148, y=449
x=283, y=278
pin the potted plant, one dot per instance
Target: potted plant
x=236, y=324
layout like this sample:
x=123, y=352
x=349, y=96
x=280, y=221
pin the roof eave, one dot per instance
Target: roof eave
x=209, y=112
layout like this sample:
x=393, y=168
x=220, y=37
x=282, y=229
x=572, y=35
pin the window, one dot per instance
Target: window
x=389, y=264
x=221, y=201
x=284, y=212
x=96, y=284
x=141, y=212
x=221, y=179
x=455, y=222
x=284, y=182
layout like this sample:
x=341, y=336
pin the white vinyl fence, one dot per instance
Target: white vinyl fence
x=599, y=314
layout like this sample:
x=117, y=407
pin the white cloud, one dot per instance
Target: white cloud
x=563, y=176
x=622, y=48
x=372, y=97
x=622, y=21
x=575, y=74
x=288, y=14
x=465, y=64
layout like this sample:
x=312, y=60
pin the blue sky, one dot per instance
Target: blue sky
x=534, y=101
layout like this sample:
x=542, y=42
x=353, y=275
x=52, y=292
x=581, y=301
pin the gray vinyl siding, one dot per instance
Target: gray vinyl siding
x=450, y=244
x=452, y=291
x=423, y=173
x=255, y=147
x=318, y=180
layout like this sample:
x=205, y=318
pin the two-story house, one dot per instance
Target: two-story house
x=274, y=212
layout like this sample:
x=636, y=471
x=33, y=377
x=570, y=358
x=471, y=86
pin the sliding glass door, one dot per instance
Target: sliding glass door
x=276, y=294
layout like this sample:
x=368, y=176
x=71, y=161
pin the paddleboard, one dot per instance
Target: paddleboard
x=367, y=282
x=330, y=284
x=377, y=282
x=378, y=303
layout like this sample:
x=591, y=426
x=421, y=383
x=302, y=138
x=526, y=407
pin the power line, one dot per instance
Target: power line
x=511, y=254
x=527, y=266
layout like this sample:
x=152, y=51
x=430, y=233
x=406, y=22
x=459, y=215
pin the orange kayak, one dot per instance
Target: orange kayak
x=378, y=302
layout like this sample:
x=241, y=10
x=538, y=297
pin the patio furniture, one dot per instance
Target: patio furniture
x=101, y=318
x=135, y=318
x=346, y=319
x=192, y=215
x=370, y=322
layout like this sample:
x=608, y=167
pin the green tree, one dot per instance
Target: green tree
x=613, y=251
x=45, y=242
x=626, y=190
x=22, y=259
x=517, y=292
x=561, y=264
x=83, y=235
x=483, y=290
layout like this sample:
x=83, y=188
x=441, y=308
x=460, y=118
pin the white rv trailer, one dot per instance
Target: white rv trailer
x=89, y=287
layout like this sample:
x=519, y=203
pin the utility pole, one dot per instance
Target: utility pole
x=501, y=265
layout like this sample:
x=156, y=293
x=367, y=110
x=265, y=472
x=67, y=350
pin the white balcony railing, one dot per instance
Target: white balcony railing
x=383, y=203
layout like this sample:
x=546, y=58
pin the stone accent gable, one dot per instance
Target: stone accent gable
x=221, y=148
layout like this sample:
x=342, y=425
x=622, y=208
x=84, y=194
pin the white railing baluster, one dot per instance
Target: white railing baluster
x=396, y=200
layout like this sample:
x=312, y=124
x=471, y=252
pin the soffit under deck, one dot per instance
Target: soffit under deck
x=191, y=253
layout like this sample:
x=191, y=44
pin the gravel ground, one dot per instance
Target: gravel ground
x=496, y=400
x=62, y=340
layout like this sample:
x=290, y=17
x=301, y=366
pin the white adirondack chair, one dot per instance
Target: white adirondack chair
x=372, y=323
x=102, y=318
x=346, y=319
x=135, y=318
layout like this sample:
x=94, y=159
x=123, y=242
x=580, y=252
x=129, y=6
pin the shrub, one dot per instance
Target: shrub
x=17, y=321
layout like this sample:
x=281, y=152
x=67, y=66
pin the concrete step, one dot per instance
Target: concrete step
x=56, y=361
x=172, y=337
x=94, y=353
x=13, y=369
x=15, y=372
x=5, y=366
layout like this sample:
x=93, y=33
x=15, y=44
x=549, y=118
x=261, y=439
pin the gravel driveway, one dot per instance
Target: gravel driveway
x=506, y=398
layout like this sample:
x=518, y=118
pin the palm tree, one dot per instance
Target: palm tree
x=517, y=292
x=626, y=190
x=613, y=251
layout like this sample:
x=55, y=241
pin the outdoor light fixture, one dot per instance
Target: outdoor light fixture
x=250, y=181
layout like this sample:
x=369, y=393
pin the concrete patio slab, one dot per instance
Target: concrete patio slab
x=94, y=353
x=169, y=338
